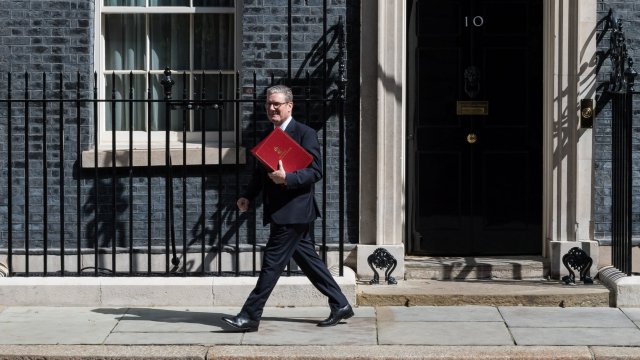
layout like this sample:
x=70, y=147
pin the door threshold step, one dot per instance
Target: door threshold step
x=483, y=292
x=476, y=267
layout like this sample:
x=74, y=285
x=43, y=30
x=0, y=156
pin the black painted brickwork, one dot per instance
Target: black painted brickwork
x=629, y=12
x=56, y=36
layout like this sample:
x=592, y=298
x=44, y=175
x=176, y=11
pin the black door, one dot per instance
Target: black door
x=477, y=127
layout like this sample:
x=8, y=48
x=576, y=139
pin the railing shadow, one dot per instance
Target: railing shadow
x=102, y=224
x=112, y=197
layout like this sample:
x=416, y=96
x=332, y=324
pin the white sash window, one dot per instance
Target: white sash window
x=196, y=38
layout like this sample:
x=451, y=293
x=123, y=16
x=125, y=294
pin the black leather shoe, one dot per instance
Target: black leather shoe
x=242, y=323
x=337, y=316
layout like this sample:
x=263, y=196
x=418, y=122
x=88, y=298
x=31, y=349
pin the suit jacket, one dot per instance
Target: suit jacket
x=295, y=202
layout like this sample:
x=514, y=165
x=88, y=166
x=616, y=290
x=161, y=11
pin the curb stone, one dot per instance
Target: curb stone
x=90, y=352
x=390, y=352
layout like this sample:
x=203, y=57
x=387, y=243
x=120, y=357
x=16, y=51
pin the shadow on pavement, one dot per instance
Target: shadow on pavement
x=213, y=319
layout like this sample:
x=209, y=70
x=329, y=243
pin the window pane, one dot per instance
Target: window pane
x=150, y=41
x=222, y=3
x=125, y=110
x=213, y=42
x=169, y=41
x=124, y=41
x=169, y=3
x=214, y=87
x=123, y=2
x=158, y=114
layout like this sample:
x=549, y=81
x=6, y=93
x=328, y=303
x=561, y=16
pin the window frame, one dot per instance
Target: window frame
x=158, y=138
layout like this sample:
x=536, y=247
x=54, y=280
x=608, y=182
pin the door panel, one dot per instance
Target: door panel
x=440, y=96
x=430, y=22
x=503, y=211
x=482, y=196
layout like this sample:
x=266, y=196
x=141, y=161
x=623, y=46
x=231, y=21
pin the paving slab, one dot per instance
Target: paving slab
x=438, y=313
x=170, y=320
x=304, y=331
x=633, y=314
x=173, y=325
x=443, y=333
x=203, y=325
x=547, y=317
x=50, y=325
x=392, y=352
x=36, y=333
x=219, y=337
x=573, y=336
x=422, y=332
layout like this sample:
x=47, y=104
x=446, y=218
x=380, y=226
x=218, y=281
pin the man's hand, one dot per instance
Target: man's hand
x=279, y=176
x=243, y=204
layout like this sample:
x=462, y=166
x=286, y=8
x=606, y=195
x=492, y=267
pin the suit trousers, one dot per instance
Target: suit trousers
x=286, y=242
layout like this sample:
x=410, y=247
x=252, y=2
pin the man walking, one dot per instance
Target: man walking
x=289, y=208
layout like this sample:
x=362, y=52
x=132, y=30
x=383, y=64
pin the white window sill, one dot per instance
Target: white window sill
x=158, y=155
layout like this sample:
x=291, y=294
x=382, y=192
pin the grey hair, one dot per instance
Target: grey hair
x=282, y=89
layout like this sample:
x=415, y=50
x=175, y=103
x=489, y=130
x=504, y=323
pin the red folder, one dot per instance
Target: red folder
x=278, y=145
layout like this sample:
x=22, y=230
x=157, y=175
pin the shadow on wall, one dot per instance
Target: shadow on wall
x=218, y=230
x=104, y=227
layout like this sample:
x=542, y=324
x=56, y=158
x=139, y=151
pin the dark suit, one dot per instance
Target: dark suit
x=290, y=209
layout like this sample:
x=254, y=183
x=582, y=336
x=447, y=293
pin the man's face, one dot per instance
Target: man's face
x=278, y=110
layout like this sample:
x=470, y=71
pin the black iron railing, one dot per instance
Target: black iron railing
x=620, y=92
x=81, y=204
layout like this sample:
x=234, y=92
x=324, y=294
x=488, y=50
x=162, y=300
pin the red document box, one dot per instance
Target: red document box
x=280, y=146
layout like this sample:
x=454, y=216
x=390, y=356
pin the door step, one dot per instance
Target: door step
x=489, y=281
x=475, y=268
x=483, y=292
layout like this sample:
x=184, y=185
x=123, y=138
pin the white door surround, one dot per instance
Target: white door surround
x=569, y=76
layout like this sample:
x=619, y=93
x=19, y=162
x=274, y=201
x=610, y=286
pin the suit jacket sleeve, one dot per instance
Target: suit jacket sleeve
x=312, y=173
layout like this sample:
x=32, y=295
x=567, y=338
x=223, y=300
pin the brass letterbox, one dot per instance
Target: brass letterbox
x=472, y=108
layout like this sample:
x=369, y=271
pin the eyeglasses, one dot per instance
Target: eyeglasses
x=275, y=105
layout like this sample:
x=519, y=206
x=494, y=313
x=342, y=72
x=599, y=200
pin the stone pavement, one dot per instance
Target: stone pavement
x=383, y=332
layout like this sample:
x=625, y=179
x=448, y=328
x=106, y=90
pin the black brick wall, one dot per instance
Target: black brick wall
x=46, y=36
x=265, y=51
x=629, y=12
x=56, y=37
x=50, y=40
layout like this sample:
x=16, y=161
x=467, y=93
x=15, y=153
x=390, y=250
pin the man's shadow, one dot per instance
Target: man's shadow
x=213, y=319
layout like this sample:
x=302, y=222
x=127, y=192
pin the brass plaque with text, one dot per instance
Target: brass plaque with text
x=472, y=108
